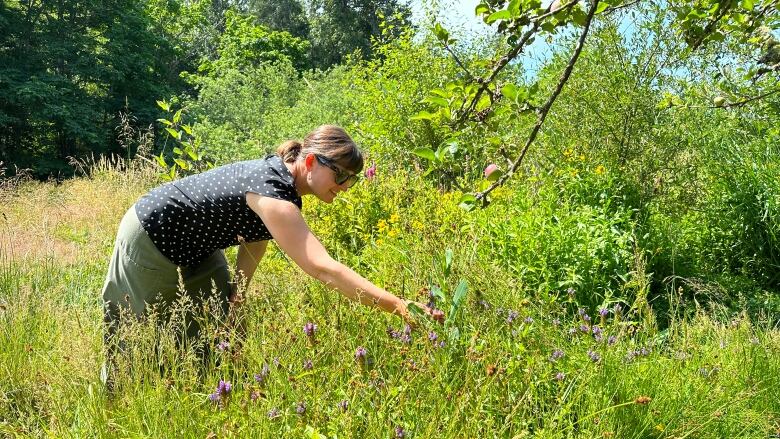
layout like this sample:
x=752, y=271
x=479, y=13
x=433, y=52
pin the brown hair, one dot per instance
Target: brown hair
x=328, y=141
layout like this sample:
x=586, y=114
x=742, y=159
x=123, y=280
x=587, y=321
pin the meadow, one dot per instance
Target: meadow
x=514, y=361
x=620, y=280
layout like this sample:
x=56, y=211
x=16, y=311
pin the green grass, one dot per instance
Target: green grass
x=708, y=375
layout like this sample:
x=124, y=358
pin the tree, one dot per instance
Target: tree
x=281, y=15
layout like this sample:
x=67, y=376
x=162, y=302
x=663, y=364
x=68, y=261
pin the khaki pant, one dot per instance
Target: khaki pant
x=140, y=276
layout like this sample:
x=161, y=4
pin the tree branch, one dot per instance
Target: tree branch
x=545, y=109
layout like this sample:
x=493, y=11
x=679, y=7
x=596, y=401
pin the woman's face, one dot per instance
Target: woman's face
x=323, y=175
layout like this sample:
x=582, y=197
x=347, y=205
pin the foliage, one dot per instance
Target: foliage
x=186, y=155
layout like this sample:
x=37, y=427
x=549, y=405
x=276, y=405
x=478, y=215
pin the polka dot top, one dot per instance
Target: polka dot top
x=190, y=218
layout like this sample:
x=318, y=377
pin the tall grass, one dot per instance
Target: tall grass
x=526, y=361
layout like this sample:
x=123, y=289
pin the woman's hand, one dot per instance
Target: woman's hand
x=436, y=315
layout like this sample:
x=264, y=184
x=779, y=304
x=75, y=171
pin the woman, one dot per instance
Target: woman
x=180, y=229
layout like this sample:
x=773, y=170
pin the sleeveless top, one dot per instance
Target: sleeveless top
x=190, y=218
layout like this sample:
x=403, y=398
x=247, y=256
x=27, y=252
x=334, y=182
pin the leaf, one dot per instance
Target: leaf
x=182, y=164
x=165, y=121
x=164, y=105
x=436, y=100
x=447, y=261
x=441, y=33
x=187, y=129
x=177, y=150
x=460, y=293
x=601, y=7
x=467, y=202
x=161, y=161
x=438, y=293
x=481, y=9
x=175, y=134
x=510, y=91
x=747, y=4
x=498, y=15
x=177, y=116
x=423, y=115
x=426, y=153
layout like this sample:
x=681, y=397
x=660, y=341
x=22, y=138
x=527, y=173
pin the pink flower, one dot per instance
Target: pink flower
x=370, y=172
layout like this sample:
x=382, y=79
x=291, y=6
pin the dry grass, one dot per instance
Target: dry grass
x=75, y=218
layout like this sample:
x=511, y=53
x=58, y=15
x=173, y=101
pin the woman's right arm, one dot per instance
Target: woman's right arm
x=288, y=227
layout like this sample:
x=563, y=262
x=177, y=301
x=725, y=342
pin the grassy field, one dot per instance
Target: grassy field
x=515, y=360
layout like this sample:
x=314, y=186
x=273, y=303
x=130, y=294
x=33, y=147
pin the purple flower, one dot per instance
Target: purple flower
x=300, y=408
x=484, y=304
x=343, y=405
x=308, y=365
x=360, y=353
x=260, y=377
x=581, y=311
x=432, y=336
x=214, y=397
x=596, y=330
x=572, y=331
x=603, y=312
x=441, y=344
x=570, y=291
x=528, y=320
x=586, y=318
x=512, y=316
x=309, y=329
x=598, y=337
x=223, y=346
x=400, y=433
x=584, y=328
x=370, y=173
x=556, y=355
x=254, y=396
x=612, y=340
x=224, y=387
x=273, y=413
x=617, y=309
x=560, y=376
x=594, y=356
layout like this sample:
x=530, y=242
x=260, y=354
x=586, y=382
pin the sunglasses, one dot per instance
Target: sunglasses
x=342, y=176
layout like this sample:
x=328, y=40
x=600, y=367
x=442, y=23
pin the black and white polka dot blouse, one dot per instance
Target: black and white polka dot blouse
x=190, y=218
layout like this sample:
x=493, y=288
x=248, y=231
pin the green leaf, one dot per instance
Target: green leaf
x=510, y=91
x=182, y=164
x=436, y=100
x=426, y=153
x=447, y=261
x=498, y=15
x=747, y=4
x=177, y=150
x=187, y=129
x=467, y=202
x=164, y=105
x=165, y=121
x=423, y=115
x=161, y=161
x=175, y=134
x=438, y=293
x=481, y=9
x=460, y=293
x=601, y=7
x=441, y=33
x=177, y=116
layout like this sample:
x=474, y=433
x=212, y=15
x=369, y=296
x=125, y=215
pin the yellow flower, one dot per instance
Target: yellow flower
x=382, y=226
x=582, y=157
x=394, y=218
x=568, y=152
x=417, y=225
x=600, y=170
x=392, y=233
x=379, y=242
x=574, y=172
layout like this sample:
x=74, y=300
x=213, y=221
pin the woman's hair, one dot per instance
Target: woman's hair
x=328, y=141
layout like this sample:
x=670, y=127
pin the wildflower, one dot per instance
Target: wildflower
x=260, y=377
x=370, y=172
x=214, y=397
x=224, y=387
x=603, y=312
x=584, y=328
x=343, y=405
x=598, y=337
x=556, y=322
x=441, y=344
x=594, y=356
x=300, y=408
x=308, y=365
x=528, y=320
x=392, y=333
x=512, y=316
x=273, y=413
x=596, y=330
x=309, y=329
x=600, y=169
x=556, y=355
x=276, y=362
x=572, y=331
x=432, y=336
x=618, y=309
x=612, y=340
x=570, y=291
x=581, y=312
x=400, y=433
x=484, y=304
x=360, y=353
x=754, y=340
x=586, y=318
x=223, y=346
x=254, y=396
x=560, y=376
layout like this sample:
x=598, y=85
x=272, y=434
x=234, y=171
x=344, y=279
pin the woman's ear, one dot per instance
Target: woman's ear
x=309, y=161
